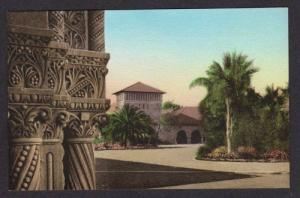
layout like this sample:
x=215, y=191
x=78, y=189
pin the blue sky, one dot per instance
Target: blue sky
x=167, y=49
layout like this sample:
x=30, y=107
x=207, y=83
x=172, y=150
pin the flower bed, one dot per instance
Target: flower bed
x=110, y=146
x=243, y=154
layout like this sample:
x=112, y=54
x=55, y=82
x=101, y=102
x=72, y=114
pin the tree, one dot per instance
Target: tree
x=130, y=124
x=167, y=119
x=228, y=83
x=170, y=105
x=275, y=118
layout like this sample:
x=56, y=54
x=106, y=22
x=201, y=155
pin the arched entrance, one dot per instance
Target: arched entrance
x=181, y=137
x=195, y=137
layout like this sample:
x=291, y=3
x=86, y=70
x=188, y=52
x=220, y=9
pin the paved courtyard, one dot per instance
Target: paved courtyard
x=175, y=166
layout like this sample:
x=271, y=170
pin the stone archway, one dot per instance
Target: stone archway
x=181, y=137
x=195, y=137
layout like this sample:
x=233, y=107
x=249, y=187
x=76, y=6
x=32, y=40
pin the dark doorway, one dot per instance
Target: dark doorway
x=196, y=137
x=181, y=137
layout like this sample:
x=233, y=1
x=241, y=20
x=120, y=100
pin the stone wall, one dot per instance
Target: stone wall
x=169, y=134
x=57, y=67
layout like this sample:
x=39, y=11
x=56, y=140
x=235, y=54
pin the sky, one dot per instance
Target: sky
x=167, y=49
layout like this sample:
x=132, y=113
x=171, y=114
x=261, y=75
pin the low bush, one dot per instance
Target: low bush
x=246, y=152
x=97, y=140
x=219, y=152
x=231, y=156
x=203, y=151
x=276, y=154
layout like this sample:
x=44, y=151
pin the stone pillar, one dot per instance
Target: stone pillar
x=96, y=30
x=56, y=23
x=189, y=137
x=26, y=126
x=52, y=175
x=49, y=84
x=79, y=151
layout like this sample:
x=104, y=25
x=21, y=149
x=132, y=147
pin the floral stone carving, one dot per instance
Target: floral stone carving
x=56, y=100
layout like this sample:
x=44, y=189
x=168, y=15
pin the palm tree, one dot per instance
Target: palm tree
x=274, y=97
x=228, y=83
x=130, y=124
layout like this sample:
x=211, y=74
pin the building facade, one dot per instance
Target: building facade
x=185, y=127
x=145, y=97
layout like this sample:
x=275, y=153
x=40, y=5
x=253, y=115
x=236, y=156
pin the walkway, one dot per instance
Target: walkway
x=261, y=175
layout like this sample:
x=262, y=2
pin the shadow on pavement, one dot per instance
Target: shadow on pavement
x=116, y=174
x=164, y=147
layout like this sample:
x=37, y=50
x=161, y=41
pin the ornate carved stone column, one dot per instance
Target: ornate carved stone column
x=56, y=23
x=52, y=175
x=26, y=126
x=79, y=151
x=59, y=83
x=28, y=114
x=85, y=80
x=96, y=30
x=36, y=73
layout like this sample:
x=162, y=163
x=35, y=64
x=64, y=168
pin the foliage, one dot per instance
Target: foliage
x=235, y=115
x=213, y=122
x=219, y=152
x=229, y=83
x=170, y=105
x=130, y=125
x=248, y=132
x=276, y=154
x=168, y=120
x=97, y=140
x=231, y=155
x=203, y=151
x=265, y=123
x=246, y=152
x=275, y=118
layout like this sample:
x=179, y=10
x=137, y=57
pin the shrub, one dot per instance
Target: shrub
x=203, y=151
x=97, y=140
x=247, y=152
x=231, y=156
x=218, y=152
x=276, y=154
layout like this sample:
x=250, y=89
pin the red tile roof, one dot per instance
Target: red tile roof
x=140, y=87
x=192, y=112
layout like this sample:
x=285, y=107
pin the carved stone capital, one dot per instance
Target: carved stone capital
x=27, y=122
x=27, y=66
x=75, y=29
x=18, y=95
x=85, y=127
x=54, y=127
x=24, y=36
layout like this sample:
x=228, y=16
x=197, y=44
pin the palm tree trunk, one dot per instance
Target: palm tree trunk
x=125, y=140
x=228, y=125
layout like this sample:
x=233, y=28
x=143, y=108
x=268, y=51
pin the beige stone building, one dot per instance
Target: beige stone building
x=185, y=129
x=145, y=97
